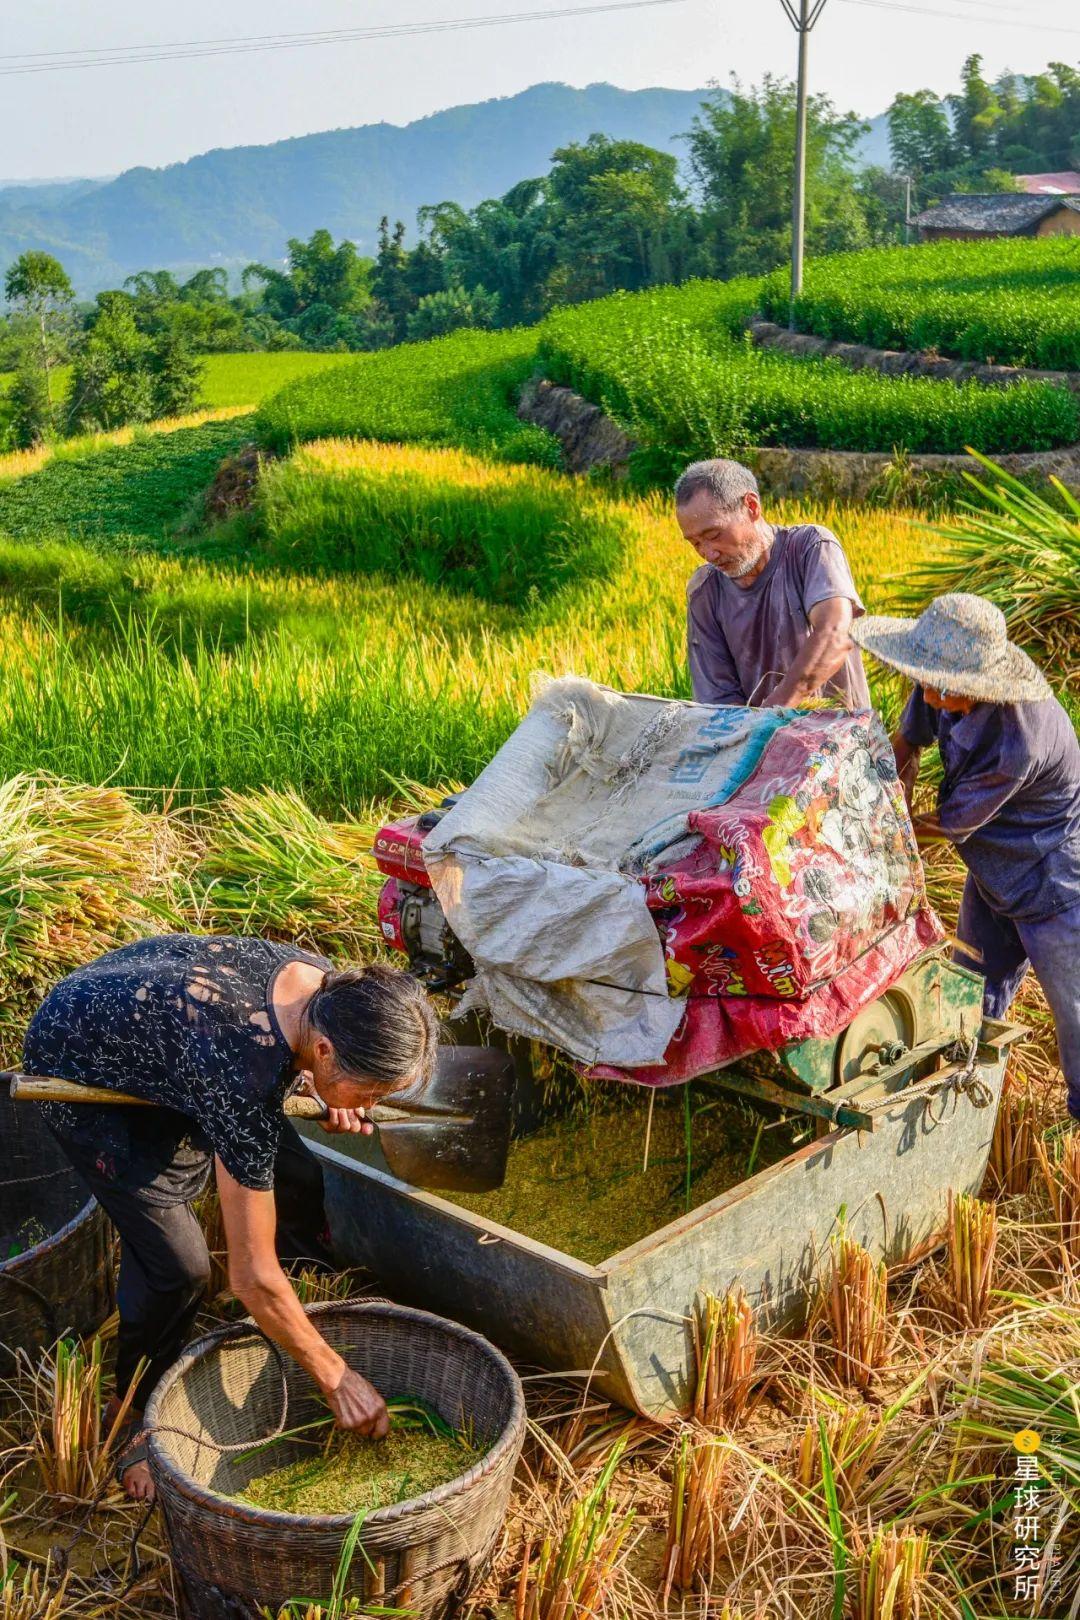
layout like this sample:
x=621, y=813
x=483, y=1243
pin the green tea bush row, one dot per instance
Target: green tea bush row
x=685, y=389
x=457, y=390
x=1014, y=302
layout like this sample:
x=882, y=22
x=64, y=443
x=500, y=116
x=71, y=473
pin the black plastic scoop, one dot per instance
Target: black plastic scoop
x=451, y=1134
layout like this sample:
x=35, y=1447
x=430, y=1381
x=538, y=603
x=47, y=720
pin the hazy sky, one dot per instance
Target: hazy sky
x=97, y=120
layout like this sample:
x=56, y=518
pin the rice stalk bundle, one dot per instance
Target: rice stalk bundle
x=892, y=1577
x=72, y=1449
x=1021, y=551
x=693, y=1531
x=1060, y=1166
x=81, y=870
x=26, y=1595
x=273, y=867
x=572, y=1573
x=851, y=1436
x=725, y=1352
x=853, y=1304
x=1014, y=1152
x=971, y=1242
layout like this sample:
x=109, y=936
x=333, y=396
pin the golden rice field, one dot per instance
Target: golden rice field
x=245, y=704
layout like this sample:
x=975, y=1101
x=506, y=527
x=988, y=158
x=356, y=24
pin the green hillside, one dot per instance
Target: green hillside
x=673, y=366
x=232, y=206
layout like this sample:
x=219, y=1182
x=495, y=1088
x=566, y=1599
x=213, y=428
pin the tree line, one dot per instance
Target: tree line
x=609, y=215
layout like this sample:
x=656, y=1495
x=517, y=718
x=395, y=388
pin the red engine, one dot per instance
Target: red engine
x=410, y=916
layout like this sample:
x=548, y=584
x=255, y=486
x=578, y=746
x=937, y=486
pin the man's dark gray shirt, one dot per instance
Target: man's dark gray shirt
x=742, y=640
x=1009, y=799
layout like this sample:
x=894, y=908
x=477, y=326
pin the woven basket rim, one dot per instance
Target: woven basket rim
x=202, y=1496
x=54, y=1239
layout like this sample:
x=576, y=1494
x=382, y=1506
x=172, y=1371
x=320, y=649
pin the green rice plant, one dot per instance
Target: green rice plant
x=273, y=867
x=73, y=1448
x=971, y=1238
x=725, y=1352
x=459, y=390
x=1059, y=1161
x=1020, y=550
x=509, y=534
x=572, y=1573
x=247, y=379
x=1025, y=1377
x=1014, y=301
x=852, y=1305
x=81, y=870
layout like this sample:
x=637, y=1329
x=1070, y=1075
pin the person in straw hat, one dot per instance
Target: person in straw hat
x=1009, y=799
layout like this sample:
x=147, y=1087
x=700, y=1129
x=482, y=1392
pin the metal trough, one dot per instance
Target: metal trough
x=625, y=1323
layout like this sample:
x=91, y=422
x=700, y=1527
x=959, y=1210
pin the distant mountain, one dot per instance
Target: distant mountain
x=873, y=150
x=231, y=206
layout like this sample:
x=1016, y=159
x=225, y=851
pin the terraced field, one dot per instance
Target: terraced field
x=232, y=707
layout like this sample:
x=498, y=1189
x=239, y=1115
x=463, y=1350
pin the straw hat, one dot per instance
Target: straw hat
x=959, y=645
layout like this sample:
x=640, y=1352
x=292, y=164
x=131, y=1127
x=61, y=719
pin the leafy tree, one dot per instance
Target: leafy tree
x=28, y=405
x=111, y=383
x=742, y=152
x=450, y=308
x=390, y=279
x=507, y=246
x=920, y=135
x=175, y=375
x=37, y=286
x=319, y=274
x=617, y=212
x=976, y=112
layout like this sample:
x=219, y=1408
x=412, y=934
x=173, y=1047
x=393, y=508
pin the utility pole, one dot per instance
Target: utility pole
x=802, y=20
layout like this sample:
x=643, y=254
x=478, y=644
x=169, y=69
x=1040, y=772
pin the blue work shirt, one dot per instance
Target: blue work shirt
x=1009, y=799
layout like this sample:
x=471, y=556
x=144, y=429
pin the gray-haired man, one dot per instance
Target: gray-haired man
x=769, y=614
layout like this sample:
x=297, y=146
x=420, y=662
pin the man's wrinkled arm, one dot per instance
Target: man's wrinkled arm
x=820, y=656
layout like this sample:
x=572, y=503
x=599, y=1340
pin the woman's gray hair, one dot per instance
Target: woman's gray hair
x=726, y=481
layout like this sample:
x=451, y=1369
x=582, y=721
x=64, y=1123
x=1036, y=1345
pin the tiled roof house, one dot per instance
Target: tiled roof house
x=968, y=216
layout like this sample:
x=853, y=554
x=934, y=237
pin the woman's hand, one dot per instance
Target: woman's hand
x=357, y=1405
x=337, y=1121
x=346, y=1121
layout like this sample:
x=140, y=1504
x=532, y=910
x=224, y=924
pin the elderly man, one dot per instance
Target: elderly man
x=1009, y=799
x=769, y=614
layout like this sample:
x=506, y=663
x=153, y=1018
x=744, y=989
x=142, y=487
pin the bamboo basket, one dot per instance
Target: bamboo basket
x=419, y=1556
x=62, y=1283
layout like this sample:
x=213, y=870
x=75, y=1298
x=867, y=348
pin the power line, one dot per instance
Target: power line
x=126, y=55
x=956, y=16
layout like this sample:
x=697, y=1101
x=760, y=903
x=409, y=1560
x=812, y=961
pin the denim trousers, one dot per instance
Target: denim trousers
x=1004, y=948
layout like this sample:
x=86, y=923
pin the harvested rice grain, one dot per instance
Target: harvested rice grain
x=351, y=1473
x=577, y=1184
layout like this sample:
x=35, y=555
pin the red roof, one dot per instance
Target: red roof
x=1065, y=183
